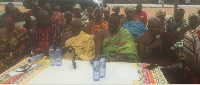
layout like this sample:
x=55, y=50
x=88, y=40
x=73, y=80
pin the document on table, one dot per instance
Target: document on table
x=128, y=73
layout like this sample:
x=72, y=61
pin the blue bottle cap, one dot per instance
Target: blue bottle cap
x=57, y=47
x=29, y=60
x=102, y=56
x=51, y=47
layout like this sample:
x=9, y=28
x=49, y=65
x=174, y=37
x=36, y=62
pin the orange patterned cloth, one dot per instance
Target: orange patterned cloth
x=96, y=28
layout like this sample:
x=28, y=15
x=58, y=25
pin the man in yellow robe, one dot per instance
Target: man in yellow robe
x=83, y=43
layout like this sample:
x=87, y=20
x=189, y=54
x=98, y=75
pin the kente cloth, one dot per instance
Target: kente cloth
x=146, y=76
x=125, y=45
x=58, y=18
x=135, y=28
x=96, y=28
x=84, y=46
x=17, y=44
x=191, y=43
x=44, y=37
x=8, y=76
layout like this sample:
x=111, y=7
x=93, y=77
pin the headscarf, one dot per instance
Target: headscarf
x=193, y=14
x=129, y=8
x=76, y=6
x=106, y=9
x=161, y=12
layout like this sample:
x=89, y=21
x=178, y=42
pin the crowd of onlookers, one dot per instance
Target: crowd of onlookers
x=129, y=37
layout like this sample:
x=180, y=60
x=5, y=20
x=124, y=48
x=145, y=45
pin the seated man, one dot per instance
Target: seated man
x=116, y=43
x=44, y=34
x=155, y=50
x=176, y=22
x=66, y=26
x=82, y=43
x=13, y=43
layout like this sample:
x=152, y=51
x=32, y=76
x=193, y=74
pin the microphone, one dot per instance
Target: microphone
x=158, y=38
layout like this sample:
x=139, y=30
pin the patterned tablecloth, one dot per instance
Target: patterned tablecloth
x=146, y=76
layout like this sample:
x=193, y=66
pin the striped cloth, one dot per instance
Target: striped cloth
x=191, y=43
x=154, y=76
x=171, y=21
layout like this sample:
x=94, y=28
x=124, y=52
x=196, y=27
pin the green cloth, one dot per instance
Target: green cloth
x=129, y=48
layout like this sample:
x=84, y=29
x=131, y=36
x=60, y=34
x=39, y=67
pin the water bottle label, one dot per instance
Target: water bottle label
x=102, y=67
x=96, y=70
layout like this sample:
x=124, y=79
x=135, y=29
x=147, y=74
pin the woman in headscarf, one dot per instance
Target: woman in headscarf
x=94, y=26
x=135, y=27
x=161, y=13
x=193, y=19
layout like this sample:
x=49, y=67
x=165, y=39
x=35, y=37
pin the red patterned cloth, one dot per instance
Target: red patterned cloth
x=44, y=37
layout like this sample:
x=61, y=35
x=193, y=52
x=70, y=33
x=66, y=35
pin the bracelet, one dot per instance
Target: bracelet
x=148, y=50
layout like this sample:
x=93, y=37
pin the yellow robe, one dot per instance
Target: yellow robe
x=84, y=46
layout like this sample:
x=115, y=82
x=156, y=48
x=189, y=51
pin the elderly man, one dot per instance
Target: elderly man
x=116, y=43
x=44, y=34
x=155, y=45
x=82, y=43
x=135, y=27
x=141, y=15
x=176, y=22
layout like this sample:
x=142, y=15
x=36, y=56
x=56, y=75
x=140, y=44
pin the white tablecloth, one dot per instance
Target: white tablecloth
x=83, y=74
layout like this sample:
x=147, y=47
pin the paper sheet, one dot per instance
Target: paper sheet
x=128, y=73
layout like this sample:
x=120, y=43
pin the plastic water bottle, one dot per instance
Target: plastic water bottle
x=102, y=66
x=58, y=57
x=51, y=56
x=35, y=58
x=96, y=70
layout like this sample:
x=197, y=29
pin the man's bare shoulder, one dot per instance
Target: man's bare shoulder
x=143, y=36
x=2, y=31
x=67, y=35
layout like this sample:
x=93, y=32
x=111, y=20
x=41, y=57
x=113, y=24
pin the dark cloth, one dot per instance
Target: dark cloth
x=166, y=56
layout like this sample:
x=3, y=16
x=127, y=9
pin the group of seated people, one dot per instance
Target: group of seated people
x=121, y=38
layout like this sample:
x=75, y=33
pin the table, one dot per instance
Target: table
x=65, y=74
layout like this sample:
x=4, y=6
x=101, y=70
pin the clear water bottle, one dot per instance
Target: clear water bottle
x=35, y=58
x=51, y=56
x=58, y=57
x=102, y=66
x=96, y=70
